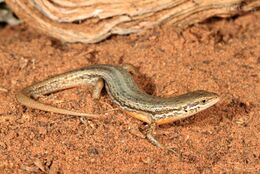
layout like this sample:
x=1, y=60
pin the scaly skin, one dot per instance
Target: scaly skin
x=124, y=92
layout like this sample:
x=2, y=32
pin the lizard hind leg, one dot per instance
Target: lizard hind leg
x=130, y=68
x=99, y=85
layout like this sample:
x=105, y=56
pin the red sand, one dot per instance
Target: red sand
x=222, y=56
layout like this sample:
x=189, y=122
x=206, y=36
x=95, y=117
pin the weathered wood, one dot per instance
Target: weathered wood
x=91, y=21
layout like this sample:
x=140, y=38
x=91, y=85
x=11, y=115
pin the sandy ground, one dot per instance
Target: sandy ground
x=222, y=56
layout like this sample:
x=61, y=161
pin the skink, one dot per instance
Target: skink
x=123, y=91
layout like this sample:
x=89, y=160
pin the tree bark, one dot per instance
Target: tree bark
x=91, y=21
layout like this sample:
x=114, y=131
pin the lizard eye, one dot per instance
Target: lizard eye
x=203, y=101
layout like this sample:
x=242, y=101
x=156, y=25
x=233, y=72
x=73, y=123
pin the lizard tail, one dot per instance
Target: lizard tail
x=29, y=102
